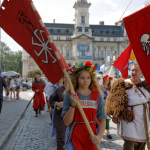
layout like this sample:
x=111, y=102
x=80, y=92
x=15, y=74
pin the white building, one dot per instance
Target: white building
x=82, y=41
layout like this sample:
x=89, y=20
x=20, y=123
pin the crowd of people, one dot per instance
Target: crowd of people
x=14, y=86
x=101, y=103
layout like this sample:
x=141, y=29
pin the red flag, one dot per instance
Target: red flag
x=138, y=29
x=21, y=22
x=122, y=63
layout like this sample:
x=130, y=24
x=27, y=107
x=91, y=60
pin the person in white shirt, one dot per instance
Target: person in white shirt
x=129, y=102
x=47, y=91
x=12, y=87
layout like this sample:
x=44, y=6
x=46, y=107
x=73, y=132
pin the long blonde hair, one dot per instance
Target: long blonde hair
x=93, y=86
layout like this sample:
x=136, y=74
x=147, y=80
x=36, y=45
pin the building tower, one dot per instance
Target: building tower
x=81, y=13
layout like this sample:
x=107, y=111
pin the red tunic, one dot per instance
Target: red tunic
x=39, y=100
x=80, y=136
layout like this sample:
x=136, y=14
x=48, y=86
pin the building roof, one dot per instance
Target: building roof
x=82, y=35
x=97, y=30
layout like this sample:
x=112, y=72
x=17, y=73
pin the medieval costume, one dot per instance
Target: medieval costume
x=39, y=101
x=80, y=133
x=129, y=99
x=106, y=91
x=58, y=96
x=93, y=107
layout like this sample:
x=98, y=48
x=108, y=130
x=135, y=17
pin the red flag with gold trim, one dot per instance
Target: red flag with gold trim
x=22, y=23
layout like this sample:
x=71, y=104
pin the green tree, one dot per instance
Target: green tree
x=33, y=73
x=10, y=60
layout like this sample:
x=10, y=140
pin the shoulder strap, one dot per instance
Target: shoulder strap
x=141, y=91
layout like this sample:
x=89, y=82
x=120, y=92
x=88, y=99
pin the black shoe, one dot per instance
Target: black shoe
x=109, y=136
x=36, y=115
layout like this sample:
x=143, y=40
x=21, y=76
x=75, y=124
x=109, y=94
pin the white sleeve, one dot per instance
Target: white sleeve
x=46, y=88
x=49, y=89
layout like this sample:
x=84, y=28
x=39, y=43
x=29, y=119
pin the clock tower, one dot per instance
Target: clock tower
x=82, y=13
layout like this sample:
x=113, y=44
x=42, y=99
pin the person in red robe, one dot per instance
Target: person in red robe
x=39, y=101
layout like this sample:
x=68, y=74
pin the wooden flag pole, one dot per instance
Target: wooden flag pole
x=120, y=21
x=69, y=82
x=115, y=59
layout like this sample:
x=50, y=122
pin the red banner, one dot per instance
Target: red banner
x=122, y=63
x=18, y=20
x=138, y=29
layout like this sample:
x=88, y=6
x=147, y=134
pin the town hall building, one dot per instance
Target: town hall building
x=81, y=42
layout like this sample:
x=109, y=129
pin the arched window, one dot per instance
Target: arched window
x=31, y=67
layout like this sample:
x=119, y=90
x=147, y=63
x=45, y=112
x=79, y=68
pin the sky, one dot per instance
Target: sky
x=62, y=11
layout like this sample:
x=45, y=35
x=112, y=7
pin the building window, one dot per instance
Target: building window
x=83, y=19
x=67, y=53
x=115, y=40
x=58, y=38
x=108, y=53
x=101, y=39
x=83, y=53
x=108, y=39
x=67, y=38
x=102, y=54
x=31, y=67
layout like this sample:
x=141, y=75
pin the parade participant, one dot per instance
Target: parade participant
x=105, y=87
x=88, y=94
x=3, y=84
x=53, y=88
x=47, y=91
x=39, y=101
x=12, y=89
x=98, y=78
x=128, y=101
x=56, y=100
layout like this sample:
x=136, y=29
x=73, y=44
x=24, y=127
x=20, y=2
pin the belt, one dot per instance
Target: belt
x=70, y=132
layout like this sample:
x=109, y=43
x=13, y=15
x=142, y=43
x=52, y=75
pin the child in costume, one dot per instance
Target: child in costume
x=105, y=87
x=88, y=94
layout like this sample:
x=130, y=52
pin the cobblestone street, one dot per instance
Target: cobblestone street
x=34, y=133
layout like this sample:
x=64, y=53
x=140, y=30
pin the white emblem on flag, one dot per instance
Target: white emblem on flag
x=44, y=47
x=145, y=43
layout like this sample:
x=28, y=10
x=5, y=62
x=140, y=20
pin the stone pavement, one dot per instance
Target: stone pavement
x=32, y=133
x=11, y=114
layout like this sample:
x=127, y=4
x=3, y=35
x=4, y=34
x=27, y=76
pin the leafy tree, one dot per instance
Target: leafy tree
x=10, y=60
x=33, y=73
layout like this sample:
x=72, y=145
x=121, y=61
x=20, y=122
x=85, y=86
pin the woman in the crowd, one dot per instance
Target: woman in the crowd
x=88, y=94
x=105, y=87
x=18, y=83
x=12, y=87
x=8, y=83
x=56, y=102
